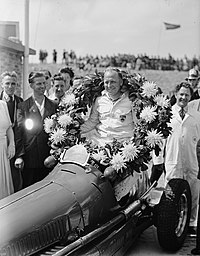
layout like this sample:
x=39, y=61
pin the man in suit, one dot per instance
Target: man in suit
x=30, y=131
x=9, y=84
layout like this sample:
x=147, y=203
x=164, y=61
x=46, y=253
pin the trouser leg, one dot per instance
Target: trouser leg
x=194, y=186
x=156, y=172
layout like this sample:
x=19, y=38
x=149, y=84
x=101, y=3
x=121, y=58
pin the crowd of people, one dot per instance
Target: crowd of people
x=24, y=143
x=129, y=61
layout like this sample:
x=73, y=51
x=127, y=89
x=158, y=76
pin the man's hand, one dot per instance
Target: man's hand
x=19, y=163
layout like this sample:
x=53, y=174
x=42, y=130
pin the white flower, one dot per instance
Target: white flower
x=162, y=101
x=58, y=136
x=118, y=162
x=148, y=114
x=100, y=156
x=153, y=138
x=48, y=125
x=69, y=99
x=130, y=152
x=64, y=120
x=149, y=89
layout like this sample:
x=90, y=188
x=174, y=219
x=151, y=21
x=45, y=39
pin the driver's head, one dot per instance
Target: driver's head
x=113, y=82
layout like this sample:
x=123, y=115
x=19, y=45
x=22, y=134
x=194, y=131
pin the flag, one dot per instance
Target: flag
x=171, y=26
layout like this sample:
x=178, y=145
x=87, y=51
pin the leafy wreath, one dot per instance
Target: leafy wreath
x=152, y=109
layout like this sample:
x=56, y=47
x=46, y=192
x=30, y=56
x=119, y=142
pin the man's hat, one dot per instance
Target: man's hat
x=193, y=74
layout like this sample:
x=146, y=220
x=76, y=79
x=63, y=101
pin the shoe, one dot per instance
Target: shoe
x=192, y=231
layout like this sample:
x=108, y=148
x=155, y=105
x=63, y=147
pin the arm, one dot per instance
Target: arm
x=11, y=142
x=19, y=136
x=92, y=121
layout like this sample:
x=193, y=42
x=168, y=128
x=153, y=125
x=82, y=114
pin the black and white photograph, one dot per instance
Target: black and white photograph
x=100, y=127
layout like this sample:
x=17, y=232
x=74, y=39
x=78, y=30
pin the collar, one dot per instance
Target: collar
x=53, y=97
x=37, y=103
x=178, y=108
x=6, y=97
x=105, y=93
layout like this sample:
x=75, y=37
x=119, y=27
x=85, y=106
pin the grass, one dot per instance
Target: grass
x=166, y=80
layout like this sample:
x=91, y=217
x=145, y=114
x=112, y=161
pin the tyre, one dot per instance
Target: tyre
x=173, y=215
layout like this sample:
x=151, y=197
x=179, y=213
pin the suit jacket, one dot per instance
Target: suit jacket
x=195, y=95
x=16, y=102
x=34, y=139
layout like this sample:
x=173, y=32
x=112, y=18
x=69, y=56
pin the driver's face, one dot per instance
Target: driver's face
x=112, y=83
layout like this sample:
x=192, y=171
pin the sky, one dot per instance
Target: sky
x=108, y=27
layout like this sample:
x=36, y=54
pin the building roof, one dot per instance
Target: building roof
x=14, y=46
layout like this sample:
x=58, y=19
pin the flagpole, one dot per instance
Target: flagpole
x=159, y=39
x=26, y=50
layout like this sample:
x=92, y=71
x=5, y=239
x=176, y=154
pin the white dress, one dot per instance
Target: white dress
x=6, y=183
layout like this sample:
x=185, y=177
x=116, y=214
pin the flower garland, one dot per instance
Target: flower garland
x=64, y=126
x=152, y=108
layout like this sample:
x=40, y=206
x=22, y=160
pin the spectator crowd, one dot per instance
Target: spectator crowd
x=129, y=61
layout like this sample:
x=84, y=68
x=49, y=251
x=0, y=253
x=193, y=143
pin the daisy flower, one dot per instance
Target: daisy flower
x=69, y=99
x=118, y=162
x=100, y=156
x=162, y=101
x=64, y=120
x=148, y=114
x=58, y=136
x=149, y=89
x=153, y=138
x=130, y=152
x=48, y=125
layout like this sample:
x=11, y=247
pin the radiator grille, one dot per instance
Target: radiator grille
x=46, y=235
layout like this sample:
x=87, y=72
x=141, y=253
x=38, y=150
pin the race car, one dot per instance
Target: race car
x=74, y=211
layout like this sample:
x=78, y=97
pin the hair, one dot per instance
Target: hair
x=119, y=72
x=57, y=77
x=10, y=74
x=78, y=77
x=67, y=70
x=185, y=85
x=33, y=75
x=46, y=71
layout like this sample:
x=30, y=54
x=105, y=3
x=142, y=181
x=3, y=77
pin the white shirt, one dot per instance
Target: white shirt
x=110, y=120
x=40, y=107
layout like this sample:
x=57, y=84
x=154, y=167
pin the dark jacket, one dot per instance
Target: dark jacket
x=35, y=140
x=195, y=95
x=13, y=116
x=16, y=102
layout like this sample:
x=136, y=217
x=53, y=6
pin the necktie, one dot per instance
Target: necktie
x=182, y=113
x=11, y=108
x=10, y=99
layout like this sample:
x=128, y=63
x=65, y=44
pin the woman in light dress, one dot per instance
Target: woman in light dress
x=7, y=151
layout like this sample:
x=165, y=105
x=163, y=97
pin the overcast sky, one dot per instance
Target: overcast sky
x=101, y=27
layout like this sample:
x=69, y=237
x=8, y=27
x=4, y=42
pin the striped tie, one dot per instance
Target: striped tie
x=182, y=113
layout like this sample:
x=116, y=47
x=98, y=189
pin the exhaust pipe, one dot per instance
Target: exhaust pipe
x=121, y=218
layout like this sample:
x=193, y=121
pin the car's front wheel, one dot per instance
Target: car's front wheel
x=173, y=214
